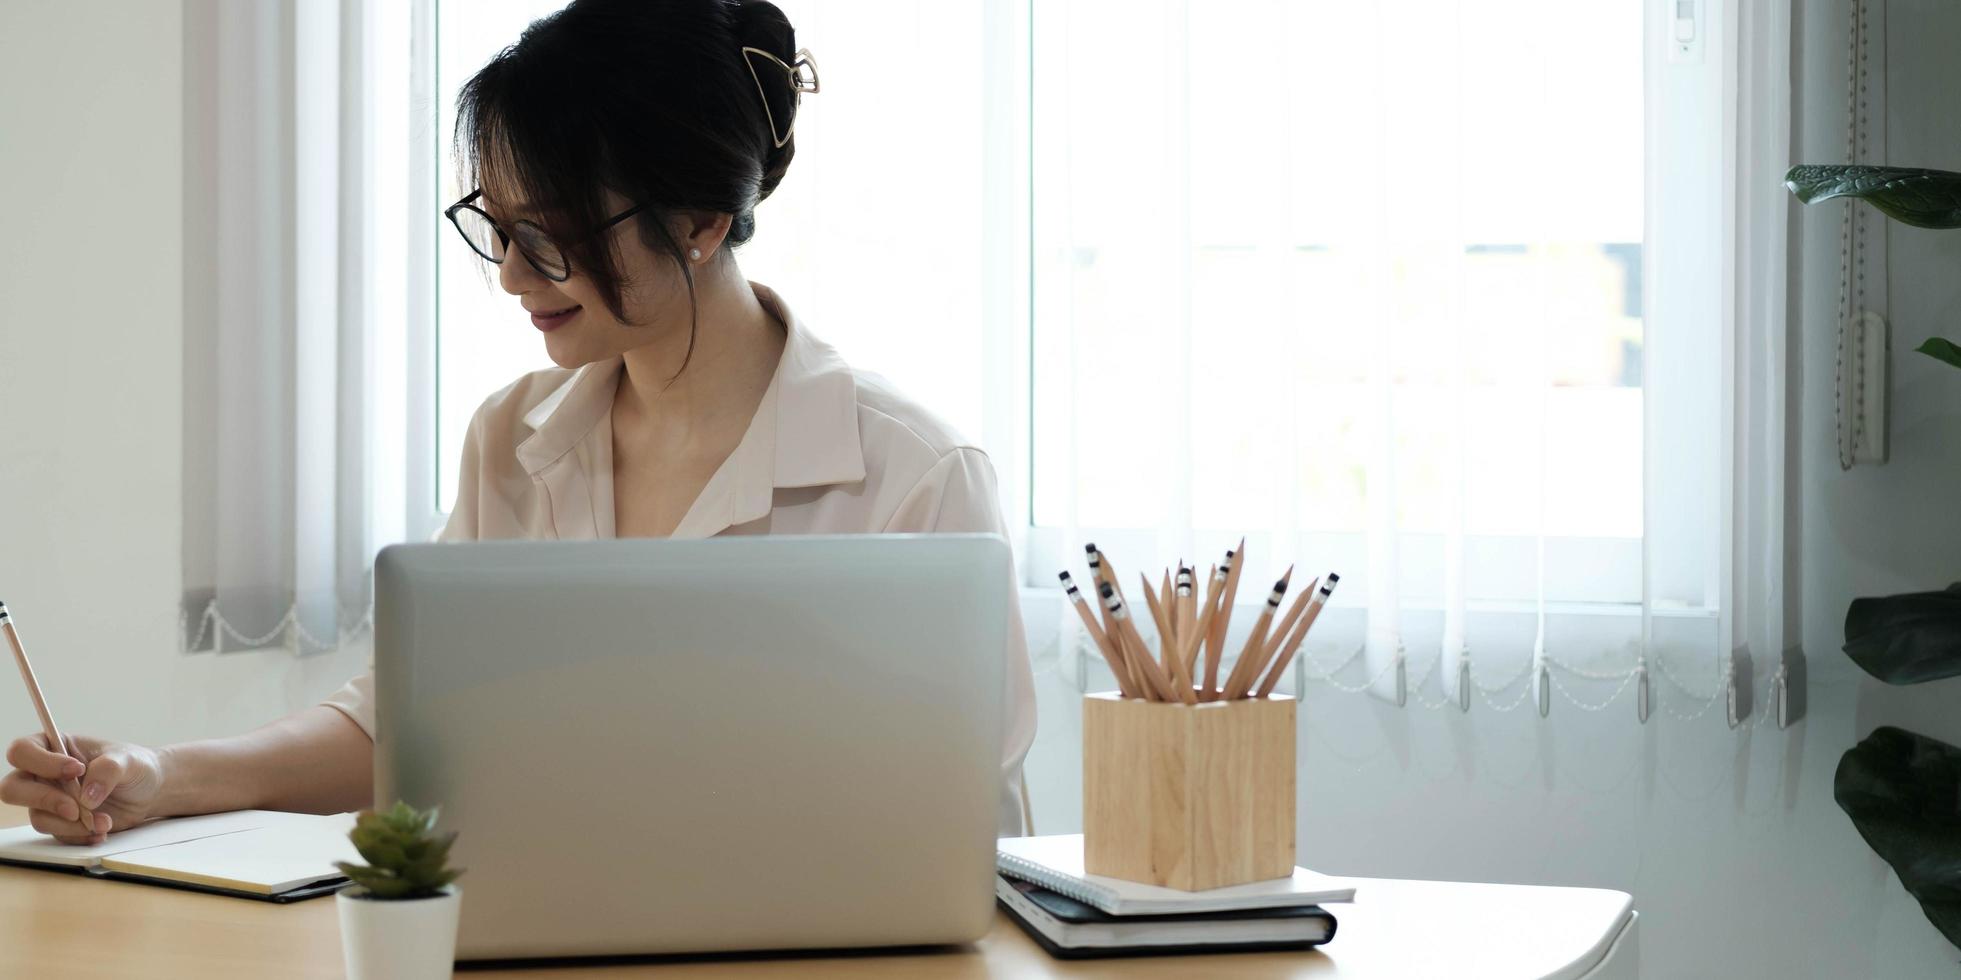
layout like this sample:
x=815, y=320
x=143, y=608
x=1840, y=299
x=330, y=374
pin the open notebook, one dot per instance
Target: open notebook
x=277, y=857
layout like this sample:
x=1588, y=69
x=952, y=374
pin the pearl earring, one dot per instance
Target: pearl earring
x=695, y=254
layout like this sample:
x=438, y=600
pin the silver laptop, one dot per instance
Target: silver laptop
x=691, y=746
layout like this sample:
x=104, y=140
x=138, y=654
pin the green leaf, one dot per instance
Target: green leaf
x=1924, y=198
x=406, y=857
x=1906, y=639
x=1903, y=793
x=1941, y=349
x=380, y=851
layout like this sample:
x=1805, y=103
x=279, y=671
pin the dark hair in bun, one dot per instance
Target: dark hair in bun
x=653, y=99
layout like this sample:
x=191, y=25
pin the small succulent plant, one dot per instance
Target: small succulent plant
x=406, y=857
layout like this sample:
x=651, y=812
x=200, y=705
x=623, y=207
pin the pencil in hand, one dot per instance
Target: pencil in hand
x=48, y=729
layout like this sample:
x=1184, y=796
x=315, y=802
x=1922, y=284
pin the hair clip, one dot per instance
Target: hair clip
x=802, y=77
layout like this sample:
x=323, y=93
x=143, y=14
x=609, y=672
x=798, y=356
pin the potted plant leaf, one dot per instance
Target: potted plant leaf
x=1901, y=789
x=398, y=918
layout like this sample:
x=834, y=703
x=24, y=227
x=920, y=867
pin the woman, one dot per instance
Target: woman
x=619, y=150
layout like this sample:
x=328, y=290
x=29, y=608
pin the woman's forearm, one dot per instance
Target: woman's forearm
x=312, y=761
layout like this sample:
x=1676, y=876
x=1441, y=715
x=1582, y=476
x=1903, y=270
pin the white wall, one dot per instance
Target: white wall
x=1739, y=861
x=91, y=335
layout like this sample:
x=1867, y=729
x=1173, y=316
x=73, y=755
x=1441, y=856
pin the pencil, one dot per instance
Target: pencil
x=1188, y=654
x=1157, y=614
x=1216, y=642
x=1187, y=601
x=1214, y=578
x=1099, y=572
x=48, y=729
x=1163, y=637
x=1181, y=618
x=1111, y=655
x=1300, y=633
x=1211, y=640
x=1096, y=578
x=1174, y=660
x=1106, y=573
x=1278, y=638
x=1134, y=644
x=1165, y=597
x=1240, y=680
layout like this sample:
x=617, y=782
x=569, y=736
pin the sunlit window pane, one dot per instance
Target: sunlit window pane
x=1228, y=226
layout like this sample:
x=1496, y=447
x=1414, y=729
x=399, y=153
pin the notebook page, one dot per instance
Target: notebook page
x=28, y=844
x=265, y=860
x=1056, y=862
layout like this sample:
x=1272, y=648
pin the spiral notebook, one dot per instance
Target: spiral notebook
x=275, y=857
x=1056, y=863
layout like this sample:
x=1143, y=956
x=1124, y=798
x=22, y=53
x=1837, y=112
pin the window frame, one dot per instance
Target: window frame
x=425, y=516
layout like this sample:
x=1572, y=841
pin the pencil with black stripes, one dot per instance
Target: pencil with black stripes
x=1111, y=655
x=1277, y=637
x=1279, y=665
x=1133, y=643
x=1215, y=641
x=1241, y=677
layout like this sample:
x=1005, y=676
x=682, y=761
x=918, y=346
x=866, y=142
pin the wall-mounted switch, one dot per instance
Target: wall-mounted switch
x=1684, y=30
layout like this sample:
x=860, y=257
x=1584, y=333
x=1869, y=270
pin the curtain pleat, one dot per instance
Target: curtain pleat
x=278, y=428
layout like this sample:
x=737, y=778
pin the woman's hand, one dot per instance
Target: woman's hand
x=121, y=783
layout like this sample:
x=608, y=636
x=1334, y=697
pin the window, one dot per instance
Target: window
x=1395, y=288
x=1229, y=227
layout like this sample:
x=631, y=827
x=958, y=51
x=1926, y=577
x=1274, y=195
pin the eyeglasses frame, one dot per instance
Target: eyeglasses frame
x=466, y=204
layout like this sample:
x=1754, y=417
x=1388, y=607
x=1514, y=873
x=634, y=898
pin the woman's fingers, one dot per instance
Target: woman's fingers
x=31, y=755
x=105, y=773
x=23, y=790
x=36, y=783
x=67, y=831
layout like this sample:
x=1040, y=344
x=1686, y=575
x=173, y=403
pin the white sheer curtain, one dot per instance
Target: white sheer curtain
x=1423, y=296
x=290, y=312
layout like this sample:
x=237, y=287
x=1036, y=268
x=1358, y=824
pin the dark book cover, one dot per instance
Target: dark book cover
x=1066, y=909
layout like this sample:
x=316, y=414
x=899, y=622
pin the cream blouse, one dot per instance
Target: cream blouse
x=829, y=451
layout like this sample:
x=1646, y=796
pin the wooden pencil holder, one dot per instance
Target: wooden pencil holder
x=1188, y=796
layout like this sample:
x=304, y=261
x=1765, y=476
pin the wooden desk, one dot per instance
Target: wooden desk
x=60, y=925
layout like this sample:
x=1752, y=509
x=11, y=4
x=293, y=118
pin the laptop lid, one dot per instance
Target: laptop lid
x=654, y=746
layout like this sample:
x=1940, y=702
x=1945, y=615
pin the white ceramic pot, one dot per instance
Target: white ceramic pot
x=399, y=940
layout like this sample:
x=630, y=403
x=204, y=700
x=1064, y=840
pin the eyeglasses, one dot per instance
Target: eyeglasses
x=492, y=241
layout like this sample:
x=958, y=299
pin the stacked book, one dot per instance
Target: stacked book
x=1076, y=915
